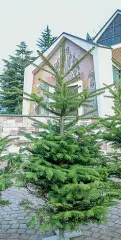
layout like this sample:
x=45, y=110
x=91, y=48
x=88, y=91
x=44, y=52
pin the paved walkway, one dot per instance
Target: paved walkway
x=111, y=230
x=13, y=219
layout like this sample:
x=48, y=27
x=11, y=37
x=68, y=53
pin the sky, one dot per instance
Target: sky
x=24, y=20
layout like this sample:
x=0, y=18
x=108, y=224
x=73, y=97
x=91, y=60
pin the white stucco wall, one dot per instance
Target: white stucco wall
x=28, y=80
x=103, y=75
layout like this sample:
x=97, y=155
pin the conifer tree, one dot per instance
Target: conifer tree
x=112, y=132
x=13, y=78
x=65, y=164
x=5, y=178
x=46, y=40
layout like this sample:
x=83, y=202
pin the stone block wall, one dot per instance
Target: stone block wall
x=13, y=125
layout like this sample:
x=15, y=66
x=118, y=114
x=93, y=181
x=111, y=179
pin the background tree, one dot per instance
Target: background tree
x=13, y=78
x=46, y=40
x=64, y=162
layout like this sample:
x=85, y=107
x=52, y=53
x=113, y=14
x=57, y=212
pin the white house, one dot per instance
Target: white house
x=101, y=67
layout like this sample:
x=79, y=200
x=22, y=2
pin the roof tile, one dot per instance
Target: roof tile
x=116, y=54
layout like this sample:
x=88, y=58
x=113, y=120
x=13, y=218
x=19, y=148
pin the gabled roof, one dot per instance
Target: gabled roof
x=85, y=44
x=118, y=11
x=77, y=40
x=76, y=37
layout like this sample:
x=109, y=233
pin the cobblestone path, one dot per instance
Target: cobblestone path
x=111, y=230
x=13, y=219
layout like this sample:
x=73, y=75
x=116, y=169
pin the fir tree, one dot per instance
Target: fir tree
x=46, y=40
x=65, y=164
x=13, y=78
x=5, y=177
x=112, y=132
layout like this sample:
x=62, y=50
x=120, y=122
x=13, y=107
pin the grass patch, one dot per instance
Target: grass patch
x=4, y=202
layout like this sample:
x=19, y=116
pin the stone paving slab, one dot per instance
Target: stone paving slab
x=13, y=219
x=111, y=230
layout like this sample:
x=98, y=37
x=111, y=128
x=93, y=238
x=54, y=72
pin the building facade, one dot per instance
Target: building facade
x=110, y=36
x=101, y=67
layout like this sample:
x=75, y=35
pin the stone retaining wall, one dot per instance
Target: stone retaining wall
x=13, y=124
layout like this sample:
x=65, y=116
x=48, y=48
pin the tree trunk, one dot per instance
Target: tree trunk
x=61, y=234
x=62, y=125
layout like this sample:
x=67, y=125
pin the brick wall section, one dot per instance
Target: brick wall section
x=13, y=124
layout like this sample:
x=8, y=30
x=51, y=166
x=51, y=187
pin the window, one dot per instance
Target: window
x=112, y=35
x=117, y=30
x=117, y=39
x=102, y=42
x=117, y=19
x=116, y=76
x=108, y=33
x=109, y=41
x=111, y=25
